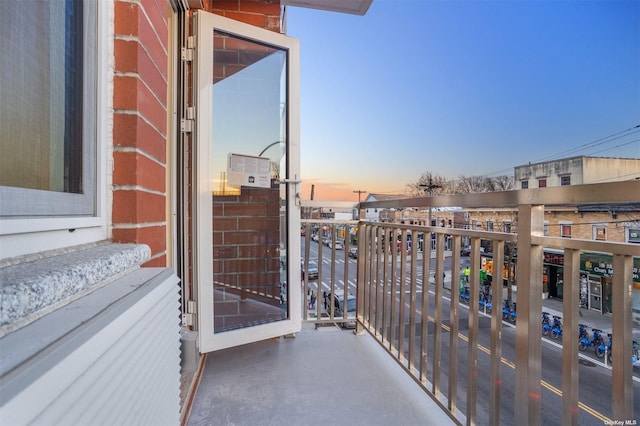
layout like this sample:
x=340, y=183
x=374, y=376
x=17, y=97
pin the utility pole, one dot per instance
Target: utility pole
x=430, y=187
x=359, y=192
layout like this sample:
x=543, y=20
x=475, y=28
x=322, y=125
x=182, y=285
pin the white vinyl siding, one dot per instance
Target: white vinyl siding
x=111, y=357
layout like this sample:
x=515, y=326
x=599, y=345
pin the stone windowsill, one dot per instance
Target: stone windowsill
x=34, y=285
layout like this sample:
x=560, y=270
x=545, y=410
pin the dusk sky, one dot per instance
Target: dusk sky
x=462, y=88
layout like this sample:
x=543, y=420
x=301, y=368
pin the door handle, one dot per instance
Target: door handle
x=284, y=181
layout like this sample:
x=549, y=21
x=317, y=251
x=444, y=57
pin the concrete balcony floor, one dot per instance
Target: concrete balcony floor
x=322, y=376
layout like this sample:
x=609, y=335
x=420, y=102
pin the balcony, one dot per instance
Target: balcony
x=422, y=354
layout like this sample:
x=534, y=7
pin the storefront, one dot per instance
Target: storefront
x=552, y=273
x=596, y=272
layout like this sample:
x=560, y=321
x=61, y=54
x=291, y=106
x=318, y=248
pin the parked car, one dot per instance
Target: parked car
x=465, y=251
x=353, y=252
x=312, y=271
x=339, y=306
x=338, y=245
x=315, y=238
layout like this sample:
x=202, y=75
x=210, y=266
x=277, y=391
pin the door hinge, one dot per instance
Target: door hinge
x=187, y=51
x=186, y=124
x=188, y=316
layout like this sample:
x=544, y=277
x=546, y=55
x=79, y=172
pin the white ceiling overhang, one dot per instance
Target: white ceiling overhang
x=355, y=7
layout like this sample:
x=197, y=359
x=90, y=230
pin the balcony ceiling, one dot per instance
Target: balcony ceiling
x=355, y=7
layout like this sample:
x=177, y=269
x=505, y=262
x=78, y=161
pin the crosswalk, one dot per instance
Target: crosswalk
x=339, y=285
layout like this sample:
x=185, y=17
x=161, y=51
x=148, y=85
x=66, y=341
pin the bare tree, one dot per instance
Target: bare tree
x=503, y=183
x=471, y=184
x=439, y=185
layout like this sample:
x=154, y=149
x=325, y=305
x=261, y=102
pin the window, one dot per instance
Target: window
x=53, y=113
x=633, y=235
x=490, y=225
x=600, y=233
x=546, y=229
x=542, y=183
x=48, y=108
x=565, y=180
x=507, y=227
x=524, y=184
x=565, y=231
x=474, y=224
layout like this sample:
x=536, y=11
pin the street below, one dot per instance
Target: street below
x=595, y=378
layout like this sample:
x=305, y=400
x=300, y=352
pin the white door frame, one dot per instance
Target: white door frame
x=204, y=25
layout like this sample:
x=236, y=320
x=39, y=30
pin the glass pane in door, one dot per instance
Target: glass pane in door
x=248, y=159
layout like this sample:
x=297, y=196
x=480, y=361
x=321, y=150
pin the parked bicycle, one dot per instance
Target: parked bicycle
x=595, y=341
x=506, y=309
x=583, y=337
x=485, y=302
x=512, y=314
x=556, y=327
x=465, y=295
x=546, y=323
x=601, y=347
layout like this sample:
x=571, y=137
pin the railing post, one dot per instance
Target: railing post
x=496, y=333
x=360, y=278
x=570, y=311
x=622, y=392
x=529, y=309
x=472, y=347
x=453, y=324
x=437, y=314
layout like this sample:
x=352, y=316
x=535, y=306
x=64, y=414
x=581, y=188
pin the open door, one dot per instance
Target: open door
x=246, y=177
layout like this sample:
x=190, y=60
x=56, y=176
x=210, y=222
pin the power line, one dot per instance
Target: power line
x=596, y=142
x=600, y=141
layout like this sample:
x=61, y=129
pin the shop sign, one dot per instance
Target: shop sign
x=601, y=264
x=553, y=258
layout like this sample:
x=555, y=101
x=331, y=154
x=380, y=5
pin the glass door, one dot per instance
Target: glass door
x=246, y=164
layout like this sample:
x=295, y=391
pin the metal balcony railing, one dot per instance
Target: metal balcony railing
x=394, y=306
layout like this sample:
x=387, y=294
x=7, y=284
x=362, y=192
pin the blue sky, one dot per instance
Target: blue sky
x=462, y=88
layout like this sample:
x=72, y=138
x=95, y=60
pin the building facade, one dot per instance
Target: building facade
x=576, y=171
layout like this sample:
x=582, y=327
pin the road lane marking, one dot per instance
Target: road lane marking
x=509, y=363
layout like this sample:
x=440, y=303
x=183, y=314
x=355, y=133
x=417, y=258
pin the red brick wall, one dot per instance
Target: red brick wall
x=246, y=253
x=140, y=125
x=260, y=13
x=141, y=46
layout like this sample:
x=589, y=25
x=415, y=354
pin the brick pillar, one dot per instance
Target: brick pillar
x=140, y=125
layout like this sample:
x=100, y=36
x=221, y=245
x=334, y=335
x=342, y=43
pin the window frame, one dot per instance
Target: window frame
x=565, y=180
x=564, y=226
x=542, y=182
x=603, y=229
x=51, y=220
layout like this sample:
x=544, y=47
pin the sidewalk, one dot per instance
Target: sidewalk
x=553, y=306
x=591, y=318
